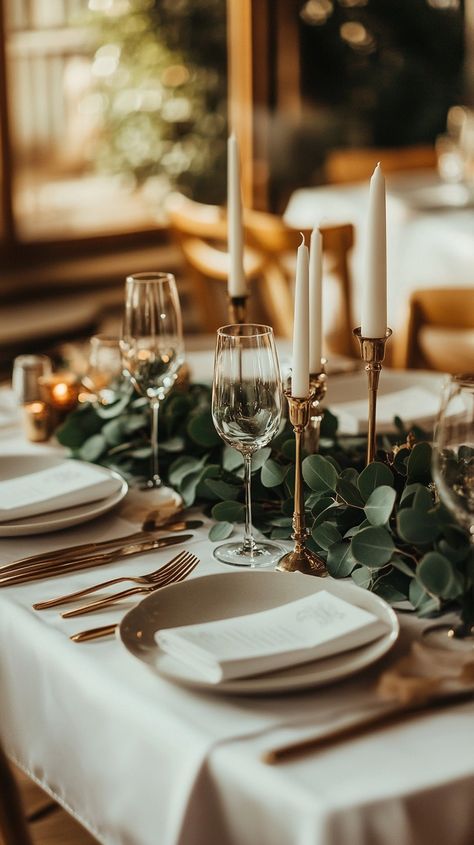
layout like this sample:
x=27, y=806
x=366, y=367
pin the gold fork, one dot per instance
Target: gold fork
x=158, y=576
x=181, y=572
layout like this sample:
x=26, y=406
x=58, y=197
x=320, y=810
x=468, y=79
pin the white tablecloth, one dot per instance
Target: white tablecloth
x=141, y=762
x=426, y=247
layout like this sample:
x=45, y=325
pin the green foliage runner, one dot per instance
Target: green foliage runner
x=382, y=524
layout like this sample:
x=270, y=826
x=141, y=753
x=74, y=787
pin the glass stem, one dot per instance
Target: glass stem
x=249, y=542
x=155, y=480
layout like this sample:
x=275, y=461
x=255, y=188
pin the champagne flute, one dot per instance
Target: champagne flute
x=152, y=344
x=453, y=473
x=246, y=409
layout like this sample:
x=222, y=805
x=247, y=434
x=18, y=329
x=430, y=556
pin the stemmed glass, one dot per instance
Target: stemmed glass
x=453, y=472
x=246, y=409
x=105, y=370
x=152, y=344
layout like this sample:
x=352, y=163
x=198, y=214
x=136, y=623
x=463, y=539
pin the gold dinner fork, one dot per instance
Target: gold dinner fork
x=181, y=571
x=159, y=578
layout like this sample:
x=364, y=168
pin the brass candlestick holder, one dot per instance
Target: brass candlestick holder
x=300, y=559
x=372, y=350
x=237, y=309
x=318, y=388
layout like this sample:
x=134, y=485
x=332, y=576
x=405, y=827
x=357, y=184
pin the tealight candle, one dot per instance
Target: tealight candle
x=60, y=391
x=36, y=421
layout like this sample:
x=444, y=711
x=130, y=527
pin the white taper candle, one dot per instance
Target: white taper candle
x=237, y=285
x=315, y=301
x=374, y=292
x=300, y=364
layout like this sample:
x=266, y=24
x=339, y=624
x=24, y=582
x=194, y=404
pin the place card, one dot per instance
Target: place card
x=66, y=485
x=301, y=631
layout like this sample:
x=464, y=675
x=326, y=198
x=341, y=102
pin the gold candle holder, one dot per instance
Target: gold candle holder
x=60, y=391
x=318, y=388
x=372, y=350
x=237, y=309
x=300, y=559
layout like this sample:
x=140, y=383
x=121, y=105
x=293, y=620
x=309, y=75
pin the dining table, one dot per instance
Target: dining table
x=140, y=760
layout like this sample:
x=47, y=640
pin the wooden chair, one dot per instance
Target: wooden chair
x=439, y=331
x=29, y=817
x=200, y=231
x=357, y=164
x=269, y=262
x=277, y=244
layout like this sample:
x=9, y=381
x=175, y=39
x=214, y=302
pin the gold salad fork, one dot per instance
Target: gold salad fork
x=181, y=571
x=158, y=578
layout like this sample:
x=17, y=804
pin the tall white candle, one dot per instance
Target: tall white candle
x=315, y=301
x=236, y=283
x=374, y=293
x=300, y=368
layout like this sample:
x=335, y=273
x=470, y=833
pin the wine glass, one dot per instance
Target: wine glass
x=453, y=473
x=105, y=370
x=246, y=410
x=152, y=344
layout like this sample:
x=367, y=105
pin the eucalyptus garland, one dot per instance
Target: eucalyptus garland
x=381, y=525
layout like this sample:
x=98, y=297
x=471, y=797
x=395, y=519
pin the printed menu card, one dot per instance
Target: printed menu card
x=300, y=631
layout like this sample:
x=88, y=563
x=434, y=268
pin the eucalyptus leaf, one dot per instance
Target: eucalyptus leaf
x=290, y=479
x=288, y=449
x=363, y=577
x=272, y=474
x=340, y=560
x=201, y=430
x=232, y=459
x=423, y=602
x=419, y=463
x=93, y=448
x=260, y=457
x=348, y=492
x=222, y=490
x=220, y=531
x=379, y=505
x=319, y=473
x=439, y=576
x=373, y=546
x=374, y=475
x=326, y=535
x=228, y=512
x=419, y=527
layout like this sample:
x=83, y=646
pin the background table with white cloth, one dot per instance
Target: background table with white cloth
x=142, y=762
x=430, y=232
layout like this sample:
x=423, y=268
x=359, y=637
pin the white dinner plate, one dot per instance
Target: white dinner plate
x=12, y=466
x=344, y=390
x=230, y=594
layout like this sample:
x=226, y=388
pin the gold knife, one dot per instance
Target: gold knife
x=71, y=552
x=35, y=574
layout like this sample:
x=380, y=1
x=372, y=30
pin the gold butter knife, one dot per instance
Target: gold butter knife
x=59, y=568
x=388, y=713
x=94, y=633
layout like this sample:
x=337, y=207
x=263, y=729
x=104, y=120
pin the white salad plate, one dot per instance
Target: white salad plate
x=13, y=466
x=226, y=595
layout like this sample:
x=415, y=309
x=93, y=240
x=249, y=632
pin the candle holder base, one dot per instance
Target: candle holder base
x=237, y=306
x=372, y=350
x=303, y=560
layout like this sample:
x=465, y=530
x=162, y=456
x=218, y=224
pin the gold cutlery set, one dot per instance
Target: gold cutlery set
x=87, y=555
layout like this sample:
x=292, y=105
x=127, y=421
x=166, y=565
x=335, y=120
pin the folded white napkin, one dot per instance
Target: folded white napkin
x=414, y=404
x=313, y=627
x=66, y=485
